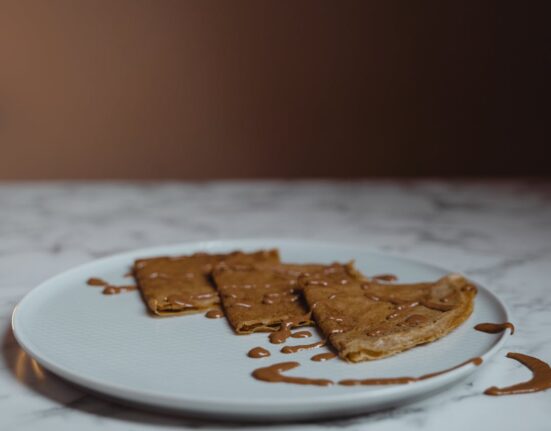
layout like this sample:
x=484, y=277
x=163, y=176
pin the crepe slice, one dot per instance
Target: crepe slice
x=366, y=320
x=183, y=284
x=264, y=297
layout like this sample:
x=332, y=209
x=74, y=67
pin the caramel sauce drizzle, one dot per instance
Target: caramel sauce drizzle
x=281, y=335
x=385, y=277
x=206, y=295
x=415, y=319
x=115, y=290
x=275, y=297
x=436, y=305
x=404, y=304
x=109, y=289
x=180, y=300
x=495, y=328
x=214, y=314
x=405, y=380
x=258, y=352
x=270, y=298
x=241, y=304
x=284, y=331
x=187, y=301
x=540, y=381
x=317, y=283
x=321, y=357
x=96, y=282
x=301, y=334
x=300, y=348
x=273, y=374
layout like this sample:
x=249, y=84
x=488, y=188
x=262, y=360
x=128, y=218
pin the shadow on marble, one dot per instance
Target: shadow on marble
x=69, y=396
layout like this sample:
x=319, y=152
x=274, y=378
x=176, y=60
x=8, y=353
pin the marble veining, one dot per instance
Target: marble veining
x=497, y=232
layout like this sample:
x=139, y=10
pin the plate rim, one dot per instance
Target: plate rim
x=136, y=395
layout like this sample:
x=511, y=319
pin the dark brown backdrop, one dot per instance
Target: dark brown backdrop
x=203, y=89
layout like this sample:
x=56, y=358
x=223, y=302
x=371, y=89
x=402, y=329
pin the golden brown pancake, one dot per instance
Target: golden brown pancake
x=366, y=320
x=183, y=284
x=262, y=297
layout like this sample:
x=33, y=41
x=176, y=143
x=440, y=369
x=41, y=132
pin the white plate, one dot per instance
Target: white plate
x=194, y=365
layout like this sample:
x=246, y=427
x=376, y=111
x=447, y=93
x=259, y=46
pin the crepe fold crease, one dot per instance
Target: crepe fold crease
x=263, y=297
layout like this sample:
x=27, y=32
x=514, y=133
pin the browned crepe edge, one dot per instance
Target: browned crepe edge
x=365, y=354
x=460, y=315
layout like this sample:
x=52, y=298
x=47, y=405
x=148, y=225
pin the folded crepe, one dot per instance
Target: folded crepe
x=183, y=284
x=263, y=297
x=366, y=320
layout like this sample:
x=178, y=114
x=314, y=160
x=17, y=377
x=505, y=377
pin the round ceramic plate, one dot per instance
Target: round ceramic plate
x=190, y=364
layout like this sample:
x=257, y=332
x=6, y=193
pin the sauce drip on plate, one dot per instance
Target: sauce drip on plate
x=540, y=381
x=403, y=380
x=494, y=328
x=321, y=357
x=214, y=314
x=258, y=352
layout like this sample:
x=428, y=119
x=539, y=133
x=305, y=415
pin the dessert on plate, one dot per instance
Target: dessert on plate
x=183, y=284
x=367, y=320
x=262, y=297
x=362, y=318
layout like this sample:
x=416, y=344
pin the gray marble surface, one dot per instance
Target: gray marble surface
x=498, y=232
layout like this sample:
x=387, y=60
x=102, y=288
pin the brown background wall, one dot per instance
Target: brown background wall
x=203, y=89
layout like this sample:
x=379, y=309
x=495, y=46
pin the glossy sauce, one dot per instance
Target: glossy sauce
x=300, y=348
x=403, y=304
x=301, y=334
x=494, y=328
x=284, y=331
x=214, y=314
x=385, y=277
x=109, y=289
x=273, y=374
x=321, y=357
x=180, y=300
x=258, y=352
x=317, y=283
x=540, y=381
x=115, y=290
x=203, y=296
x=404, y=380
x=96, y=282
x=414, y=320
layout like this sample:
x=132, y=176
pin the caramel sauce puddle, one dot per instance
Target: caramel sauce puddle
x=258, y=352
x=494, y=328
x=214, y=314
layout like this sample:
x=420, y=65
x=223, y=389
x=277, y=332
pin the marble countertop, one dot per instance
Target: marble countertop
x=498, y=232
